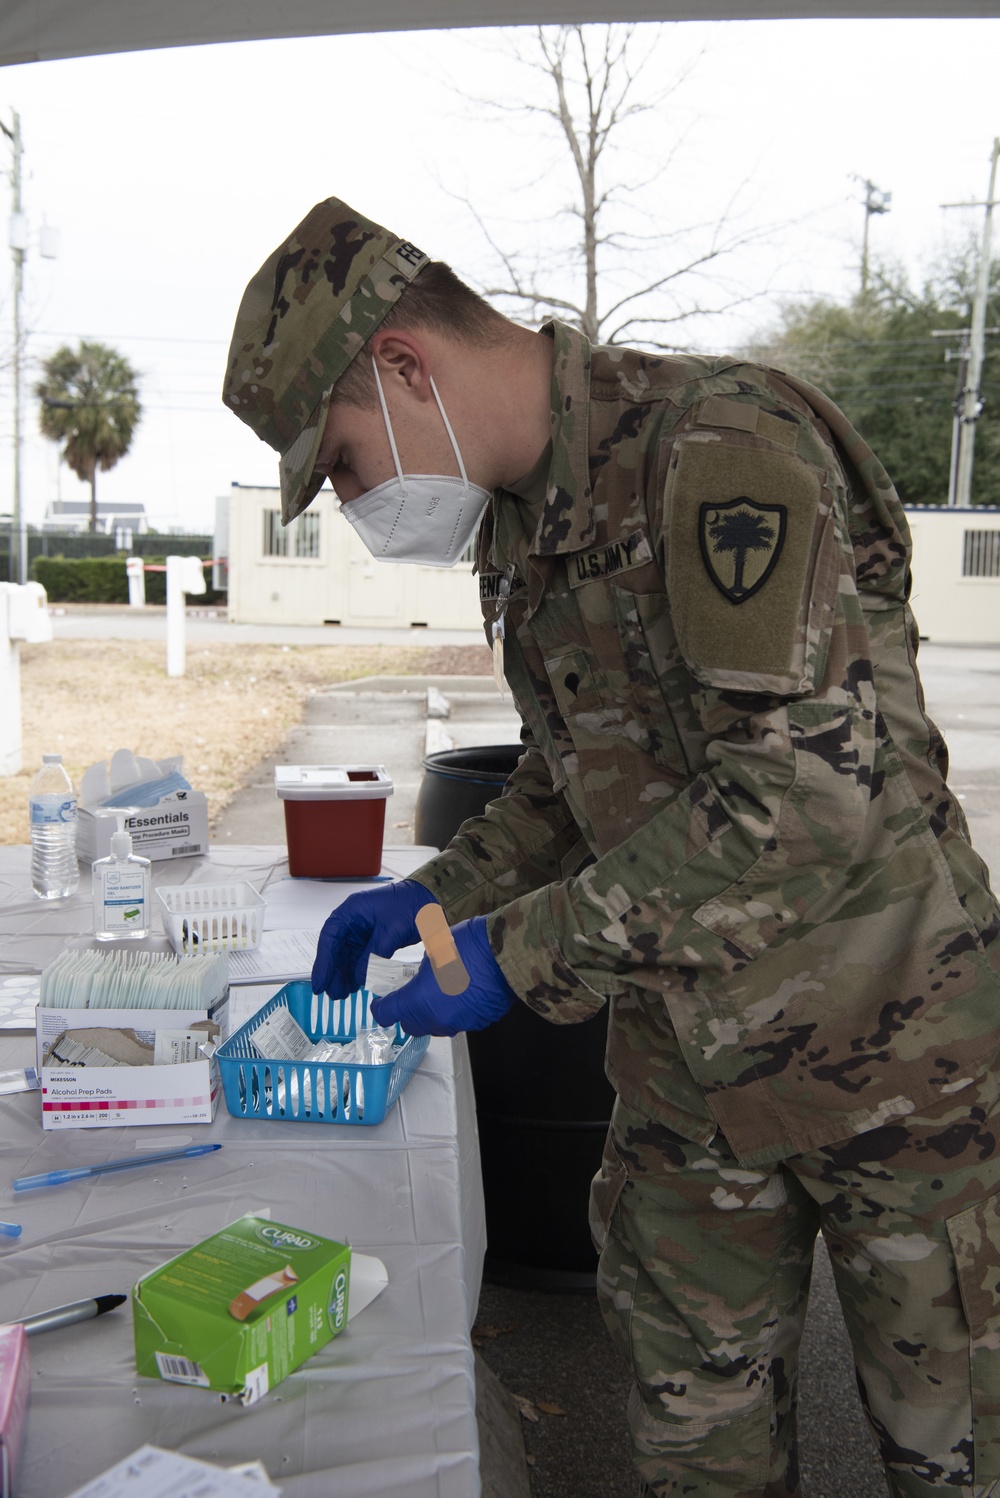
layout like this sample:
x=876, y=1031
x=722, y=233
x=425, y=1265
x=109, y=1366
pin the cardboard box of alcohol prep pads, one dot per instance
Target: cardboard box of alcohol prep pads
x=123, y=1092
x=242, y=1309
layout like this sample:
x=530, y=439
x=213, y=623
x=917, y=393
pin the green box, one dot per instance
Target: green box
x=239, y=1311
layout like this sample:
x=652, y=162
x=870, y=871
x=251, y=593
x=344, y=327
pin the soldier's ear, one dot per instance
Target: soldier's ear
x=403, y=363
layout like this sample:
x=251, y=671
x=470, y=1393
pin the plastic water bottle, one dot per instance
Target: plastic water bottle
x=52, y=812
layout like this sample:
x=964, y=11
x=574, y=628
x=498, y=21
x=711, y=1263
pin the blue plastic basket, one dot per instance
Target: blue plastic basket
x=315, y=1091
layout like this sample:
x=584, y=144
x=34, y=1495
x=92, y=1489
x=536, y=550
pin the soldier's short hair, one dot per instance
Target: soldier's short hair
x=436, y=299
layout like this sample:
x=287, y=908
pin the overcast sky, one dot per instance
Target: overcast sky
x=171, y=175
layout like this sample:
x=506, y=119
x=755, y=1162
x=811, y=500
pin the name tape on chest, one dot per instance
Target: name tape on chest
x=489, y=586
x=604, y=561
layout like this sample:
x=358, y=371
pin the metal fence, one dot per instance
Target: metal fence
x=75, y=544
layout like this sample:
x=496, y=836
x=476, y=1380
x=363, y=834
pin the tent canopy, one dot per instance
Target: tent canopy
x=39, y=30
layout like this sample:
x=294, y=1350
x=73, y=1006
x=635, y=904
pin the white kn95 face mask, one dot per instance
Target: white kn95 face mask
x=418, y=517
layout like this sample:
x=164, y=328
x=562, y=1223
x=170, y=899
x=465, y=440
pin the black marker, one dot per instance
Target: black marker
x=80, y=1310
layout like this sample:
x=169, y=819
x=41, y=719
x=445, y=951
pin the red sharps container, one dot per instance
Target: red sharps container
x=334, y=818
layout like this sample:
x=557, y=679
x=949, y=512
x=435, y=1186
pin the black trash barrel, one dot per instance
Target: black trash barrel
x=457, y=784
x=542, y=1100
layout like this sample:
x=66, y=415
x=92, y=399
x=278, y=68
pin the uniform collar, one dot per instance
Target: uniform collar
x=567, y=519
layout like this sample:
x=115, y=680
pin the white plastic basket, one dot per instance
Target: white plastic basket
x=212, y=917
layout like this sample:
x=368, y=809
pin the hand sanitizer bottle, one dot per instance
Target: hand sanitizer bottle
x=121, y=891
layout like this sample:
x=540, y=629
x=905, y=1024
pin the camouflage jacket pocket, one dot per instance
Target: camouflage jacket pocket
x=754, y=564
x=657, y=676
x=810, y=830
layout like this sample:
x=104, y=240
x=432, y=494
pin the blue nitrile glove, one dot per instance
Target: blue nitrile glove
x=374, y=921
x=422, y=1009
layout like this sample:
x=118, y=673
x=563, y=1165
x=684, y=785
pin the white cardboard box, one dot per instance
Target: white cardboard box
x=176, y=827
x=85, y=1097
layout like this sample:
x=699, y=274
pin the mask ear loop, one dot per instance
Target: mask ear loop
x=388, y=427
x=392, y=440
x=451, y=436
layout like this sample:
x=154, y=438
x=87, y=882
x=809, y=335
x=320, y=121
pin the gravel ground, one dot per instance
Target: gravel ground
x=84, y=699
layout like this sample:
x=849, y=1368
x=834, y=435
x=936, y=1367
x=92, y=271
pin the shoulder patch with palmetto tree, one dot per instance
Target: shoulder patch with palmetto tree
x=745, y=529
x=740, y=543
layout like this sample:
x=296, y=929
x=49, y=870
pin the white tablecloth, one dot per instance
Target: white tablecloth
x=387, y=1408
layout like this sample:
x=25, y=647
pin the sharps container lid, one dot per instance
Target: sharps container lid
x=332, y=782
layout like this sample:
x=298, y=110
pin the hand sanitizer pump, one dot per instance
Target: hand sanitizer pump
x=121, y=890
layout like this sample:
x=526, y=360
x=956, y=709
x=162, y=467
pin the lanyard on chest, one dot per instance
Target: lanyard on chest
x=499, y=618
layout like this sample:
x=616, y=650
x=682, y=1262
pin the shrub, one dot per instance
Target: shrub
x=102, y=580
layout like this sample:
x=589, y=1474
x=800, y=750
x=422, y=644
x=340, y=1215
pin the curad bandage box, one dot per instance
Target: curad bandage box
x=241, y=1310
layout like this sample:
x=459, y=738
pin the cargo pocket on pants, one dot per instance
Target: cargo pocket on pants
x=975, y=1242
x=605, y=1189
x=616, y=1272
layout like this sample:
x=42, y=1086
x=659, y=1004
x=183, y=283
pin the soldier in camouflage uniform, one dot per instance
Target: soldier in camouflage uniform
x=731, y=822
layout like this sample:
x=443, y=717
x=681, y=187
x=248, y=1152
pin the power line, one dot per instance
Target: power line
x=130, y=338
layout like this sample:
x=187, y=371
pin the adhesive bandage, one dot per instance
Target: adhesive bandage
x=435, y=933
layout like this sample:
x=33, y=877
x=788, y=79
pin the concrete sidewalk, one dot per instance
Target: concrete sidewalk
x=554, y=1348
x=110, y=621
x=375, y=720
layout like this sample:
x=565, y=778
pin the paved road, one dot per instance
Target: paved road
x=962, y=687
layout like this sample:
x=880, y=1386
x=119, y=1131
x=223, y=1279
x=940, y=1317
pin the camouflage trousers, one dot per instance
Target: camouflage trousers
x=703, y=1281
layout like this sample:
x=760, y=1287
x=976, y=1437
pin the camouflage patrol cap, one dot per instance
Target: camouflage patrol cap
x=308, y=311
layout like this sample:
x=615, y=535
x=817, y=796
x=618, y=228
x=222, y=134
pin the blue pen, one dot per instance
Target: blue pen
x=10, y=1230
x=57, y=1177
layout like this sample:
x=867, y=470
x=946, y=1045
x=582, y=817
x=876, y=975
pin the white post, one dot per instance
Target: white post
x=135, y=570
x=24, y=615
x=175, y=616
x=10, y=687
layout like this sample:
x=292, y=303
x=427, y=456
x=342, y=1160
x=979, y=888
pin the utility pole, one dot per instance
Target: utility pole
x=18, y=237
x=971, y=399
x=956, y=426
x=957, y=405
x=876, y=201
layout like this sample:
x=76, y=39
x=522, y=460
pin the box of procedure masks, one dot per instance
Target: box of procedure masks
x=176, y=827
x=241, y=1310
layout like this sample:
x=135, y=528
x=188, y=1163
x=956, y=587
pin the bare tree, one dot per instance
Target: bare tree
x=630, y=271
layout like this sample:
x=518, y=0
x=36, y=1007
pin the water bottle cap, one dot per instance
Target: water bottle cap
x=51, y=759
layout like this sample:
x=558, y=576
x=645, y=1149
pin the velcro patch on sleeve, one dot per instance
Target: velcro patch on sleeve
x=742, y=522
x=777, y=430
x=718, y=411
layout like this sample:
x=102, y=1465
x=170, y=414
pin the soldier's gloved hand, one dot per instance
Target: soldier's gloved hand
x=374, y=921
x=422, y=1009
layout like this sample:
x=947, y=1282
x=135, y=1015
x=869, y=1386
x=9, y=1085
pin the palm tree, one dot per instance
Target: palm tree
x=90, y=404
x=740, y=532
